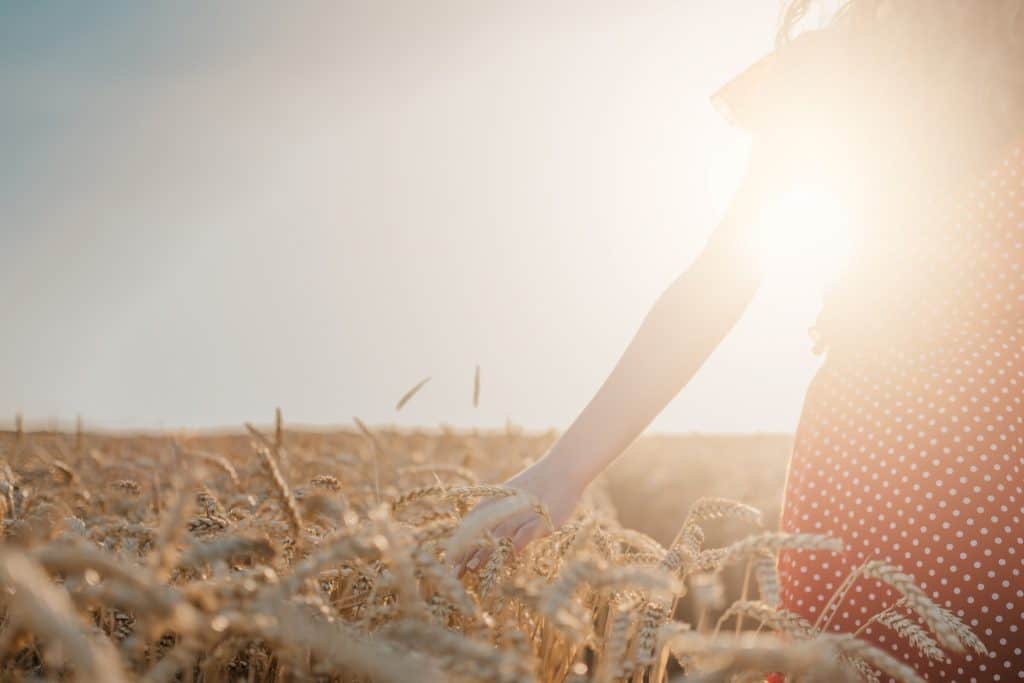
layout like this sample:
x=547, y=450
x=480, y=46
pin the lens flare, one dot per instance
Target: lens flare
x=803, y=239
x=803, y=236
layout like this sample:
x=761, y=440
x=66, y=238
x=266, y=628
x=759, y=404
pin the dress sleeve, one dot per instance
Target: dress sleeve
x=742, y=100
x=786, y=84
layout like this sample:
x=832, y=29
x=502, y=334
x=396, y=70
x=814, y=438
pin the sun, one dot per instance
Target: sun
x=802, y=239
x=803, y=236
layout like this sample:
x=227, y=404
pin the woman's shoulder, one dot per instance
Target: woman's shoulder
x=782, y=83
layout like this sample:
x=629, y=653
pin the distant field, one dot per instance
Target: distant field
x=659, y=477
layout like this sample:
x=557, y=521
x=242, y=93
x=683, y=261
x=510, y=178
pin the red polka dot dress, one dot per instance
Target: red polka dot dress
x=910, y=447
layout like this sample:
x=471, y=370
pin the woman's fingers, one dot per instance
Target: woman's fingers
x=526, y=533
x=468, y=562
x=505, y=529
x=477, y=556
x=509, y=527
x=521, y=526
x=520, y=532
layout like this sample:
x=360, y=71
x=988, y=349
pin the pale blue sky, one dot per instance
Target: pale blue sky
x=210, y=209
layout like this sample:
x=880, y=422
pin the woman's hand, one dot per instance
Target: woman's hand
x=558, y=490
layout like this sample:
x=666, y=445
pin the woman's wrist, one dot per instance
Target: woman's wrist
x=564, y=468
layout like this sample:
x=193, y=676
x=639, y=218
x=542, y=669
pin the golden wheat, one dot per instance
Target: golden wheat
x=329, y=559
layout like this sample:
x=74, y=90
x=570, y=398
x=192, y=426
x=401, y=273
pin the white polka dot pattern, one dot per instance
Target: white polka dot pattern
x=914, y=453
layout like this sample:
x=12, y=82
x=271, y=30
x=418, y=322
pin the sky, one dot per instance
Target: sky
x=212, y=209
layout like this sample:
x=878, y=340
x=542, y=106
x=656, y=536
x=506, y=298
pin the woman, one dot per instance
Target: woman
x=910, y=447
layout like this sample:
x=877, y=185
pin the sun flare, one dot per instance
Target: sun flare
x=803, y=237
x=802, y=240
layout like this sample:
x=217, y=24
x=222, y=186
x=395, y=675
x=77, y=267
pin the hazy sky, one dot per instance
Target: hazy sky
x=210, y=209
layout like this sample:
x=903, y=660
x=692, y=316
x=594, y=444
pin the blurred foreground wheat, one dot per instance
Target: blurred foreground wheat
x=252, y=559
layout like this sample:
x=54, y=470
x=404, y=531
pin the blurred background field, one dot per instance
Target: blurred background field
x=660, y=476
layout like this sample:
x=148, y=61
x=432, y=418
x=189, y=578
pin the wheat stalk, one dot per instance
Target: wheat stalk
x=35, y=603
x=907, y=629
x=917, y=601
x=706, y=509
x=409, y=394
x=282, y=491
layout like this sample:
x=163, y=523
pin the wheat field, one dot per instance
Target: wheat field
x=287, y=555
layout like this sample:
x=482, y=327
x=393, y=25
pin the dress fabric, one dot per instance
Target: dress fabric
x=910, y=446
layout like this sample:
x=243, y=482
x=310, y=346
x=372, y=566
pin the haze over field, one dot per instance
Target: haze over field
x=210, y=210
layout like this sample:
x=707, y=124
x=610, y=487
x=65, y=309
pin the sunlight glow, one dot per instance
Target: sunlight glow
x=802, y=242
x=803, y=237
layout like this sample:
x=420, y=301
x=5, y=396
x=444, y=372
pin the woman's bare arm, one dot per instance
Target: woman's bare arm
x=684, y=326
